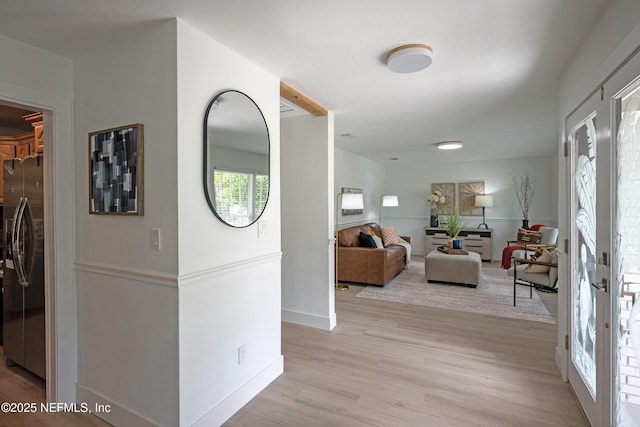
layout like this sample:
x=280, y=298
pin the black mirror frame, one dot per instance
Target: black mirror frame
x=205, y=157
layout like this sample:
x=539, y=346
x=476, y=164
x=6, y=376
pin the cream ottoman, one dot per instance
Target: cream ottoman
x=462, y=269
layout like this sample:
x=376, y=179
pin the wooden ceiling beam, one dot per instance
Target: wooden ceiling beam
x=295, y=97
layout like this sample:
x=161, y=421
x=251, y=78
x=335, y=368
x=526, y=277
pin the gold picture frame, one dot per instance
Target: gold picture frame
x=448, y=190
x=116, y=159
x=468, y=192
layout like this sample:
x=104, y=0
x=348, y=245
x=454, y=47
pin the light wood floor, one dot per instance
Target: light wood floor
x=19, y=386
x=389, y=364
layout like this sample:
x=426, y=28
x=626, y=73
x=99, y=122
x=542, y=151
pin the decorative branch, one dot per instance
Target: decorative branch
x=523, y=185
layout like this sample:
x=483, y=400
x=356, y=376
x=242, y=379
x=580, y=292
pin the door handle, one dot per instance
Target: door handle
x=602, y=286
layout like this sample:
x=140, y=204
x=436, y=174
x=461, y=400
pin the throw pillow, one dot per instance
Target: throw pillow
x=535, y=268
x=367, y=241
x=390, y=236
x=378, y=241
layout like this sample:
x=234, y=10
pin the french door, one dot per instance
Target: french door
x=625, y=107
x=604, y=290
x=589, y=156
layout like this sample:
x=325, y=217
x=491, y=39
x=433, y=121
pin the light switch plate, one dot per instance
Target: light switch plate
x=262, y=228
x=155, y=239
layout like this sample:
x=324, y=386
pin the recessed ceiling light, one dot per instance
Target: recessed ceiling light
x=449, y=145
x=409, y=58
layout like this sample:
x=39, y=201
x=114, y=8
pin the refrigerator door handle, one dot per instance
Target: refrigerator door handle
x=12, y=244
x=18, y=243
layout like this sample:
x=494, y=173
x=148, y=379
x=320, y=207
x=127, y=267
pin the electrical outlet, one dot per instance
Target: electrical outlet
x=242, y=354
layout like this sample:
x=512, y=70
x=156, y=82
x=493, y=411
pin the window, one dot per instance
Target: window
x=240, y=197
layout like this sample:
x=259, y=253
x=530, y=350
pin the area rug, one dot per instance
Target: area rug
x=493, y=296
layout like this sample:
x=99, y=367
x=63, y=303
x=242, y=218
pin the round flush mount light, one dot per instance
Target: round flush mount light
x=449, y=145
x=409, y=58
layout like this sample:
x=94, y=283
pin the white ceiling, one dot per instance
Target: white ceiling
x=493, y=82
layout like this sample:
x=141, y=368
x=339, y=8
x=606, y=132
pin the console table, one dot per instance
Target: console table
x=473, y=240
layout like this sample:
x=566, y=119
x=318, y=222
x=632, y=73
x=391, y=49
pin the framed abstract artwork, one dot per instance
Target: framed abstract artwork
x=468, y=192
x=116, y=171
x=448, y=190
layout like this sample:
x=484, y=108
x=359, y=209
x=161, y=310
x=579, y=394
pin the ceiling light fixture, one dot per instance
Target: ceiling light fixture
x=449, y=145
x=409, y=58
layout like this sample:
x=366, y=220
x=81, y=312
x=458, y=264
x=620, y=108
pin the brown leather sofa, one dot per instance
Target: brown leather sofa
x=368, y=265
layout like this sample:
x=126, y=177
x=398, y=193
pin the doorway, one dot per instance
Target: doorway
x=22, y=231
x=603, y=161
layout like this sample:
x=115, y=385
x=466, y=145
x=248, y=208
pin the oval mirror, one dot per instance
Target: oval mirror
x=236, y=159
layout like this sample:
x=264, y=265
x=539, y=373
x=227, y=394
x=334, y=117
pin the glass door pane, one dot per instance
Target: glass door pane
x=583, y=350
x=627, y=260
x=590, y=177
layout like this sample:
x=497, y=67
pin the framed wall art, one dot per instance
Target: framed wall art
x=116, y=171
x=352, y=211
x=468, y=192
x=448, y=190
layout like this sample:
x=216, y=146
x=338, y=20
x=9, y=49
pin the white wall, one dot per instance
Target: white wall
x=307, y=232
x=39, y=79
x=412, y=183
x=229, y=278
x=612, y=40
x=127, y=304
x=354, y=171
x=238, y=160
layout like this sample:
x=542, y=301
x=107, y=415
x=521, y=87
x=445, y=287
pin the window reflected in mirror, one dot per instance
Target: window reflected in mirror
x=236, y=155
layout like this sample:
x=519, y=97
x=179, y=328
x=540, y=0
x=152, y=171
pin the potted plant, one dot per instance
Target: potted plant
x=522, y=185
x=434, y=199
x=454, y=226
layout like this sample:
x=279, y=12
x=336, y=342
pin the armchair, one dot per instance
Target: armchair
x=541, y=274
x=548, y=238
x=528, y=243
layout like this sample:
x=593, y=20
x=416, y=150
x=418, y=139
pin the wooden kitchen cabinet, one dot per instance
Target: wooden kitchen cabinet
x=38, y=132
x=20, y=146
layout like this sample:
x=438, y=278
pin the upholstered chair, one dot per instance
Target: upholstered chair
x=541, y=273
x=549, y=239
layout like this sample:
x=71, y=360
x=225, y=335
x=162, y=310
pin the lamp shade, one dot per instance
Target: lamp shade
x=389, y=200
x=352, y=201
x=484, y=201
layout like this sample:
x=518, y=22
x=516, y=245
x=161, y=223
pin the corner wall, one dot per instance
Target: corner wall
x=127, y=295
x=354, y=171
x=229, y=278
x=307, y=218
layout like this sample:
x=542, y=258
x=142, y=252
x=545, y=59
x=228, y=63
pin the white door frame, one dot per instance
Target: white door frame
x=597, y=408
x=624, y=77
x=59, y=217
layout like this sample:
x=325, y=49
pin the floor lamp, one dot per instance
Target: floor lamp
x=345, y=200
x=484, y=201
x=387, y=200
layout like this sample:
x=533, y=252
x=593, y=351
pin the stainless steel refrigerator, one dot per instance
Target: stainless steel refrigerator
x=23, y=276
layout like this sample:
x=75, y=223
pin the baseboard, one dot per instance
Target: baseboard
x=242, y=396
x=561, y=362
x=110, y=411
x=311, y=320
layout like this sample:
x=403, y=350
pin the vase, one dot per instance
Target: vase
x=525, y=224
x=434, y=221
x=457, y=244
